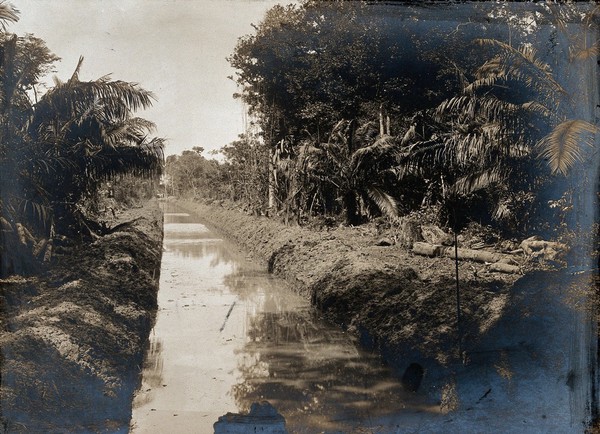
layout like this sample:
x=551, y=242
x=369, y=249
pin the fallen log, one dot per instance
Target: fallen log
x=472, y=255
x=426, y=249
x=503, y=267
x=535, y=246
x=499, y=262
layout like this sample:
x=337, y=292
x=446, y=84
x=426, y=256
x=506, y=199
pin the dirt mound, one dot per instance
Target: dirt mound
x=73, y=340
x=381, y=292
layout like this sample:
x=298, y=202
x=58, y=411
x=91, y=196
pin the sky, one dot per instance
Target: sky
x=175, y=48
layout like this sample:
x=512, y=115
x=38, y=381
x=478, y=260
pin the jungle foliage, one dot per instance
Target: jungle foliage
x=58, y=149
x=359, y=113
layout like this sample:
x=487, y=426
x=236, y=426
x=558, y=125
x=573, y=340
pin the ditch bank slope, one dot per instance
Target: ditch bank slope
x=383, y=294
x=73, y=340
x=528, y=342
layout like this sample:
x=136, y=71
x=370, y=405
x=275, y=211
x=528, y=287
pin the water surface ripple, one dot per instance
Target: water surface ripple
x=229, y=334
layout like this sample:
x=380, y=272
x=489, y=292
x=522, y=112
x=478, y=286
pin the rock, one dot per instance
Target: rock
x=262, y=418
x=385, y=242
x=434, y=235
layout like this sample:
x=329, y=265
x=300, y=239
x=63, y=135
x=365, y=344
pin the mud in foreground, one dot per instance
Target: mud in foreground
x=73, y=339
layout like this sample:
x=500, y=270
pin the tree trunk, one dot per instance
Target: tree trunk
x=381, y=125
x=351, y=207
x=271, y=181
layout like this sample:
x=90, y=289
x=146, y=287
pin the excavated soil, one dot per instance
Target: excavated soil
x=399, y=303
x=523, y=354
x=73, y=339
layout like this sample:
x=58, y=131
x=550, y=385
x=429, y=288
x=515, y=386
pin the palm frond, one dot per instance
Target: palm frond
x=8, y=14
x=478, y=180
x=521, y=64
x=130, y=131
x=562, y=146
x=40, y=212
x=382, y=147
x=384, y=201
x=583, y=52
x=502, y=212
x=75, y=75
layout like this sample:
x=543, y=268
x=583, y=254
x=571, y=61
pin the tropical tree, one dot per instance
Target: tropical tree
x=484, y=145
x=57, y=150
x=81, y=134
x=310, y=66
x=191, y=174
x=246, y=172
x=360, y=182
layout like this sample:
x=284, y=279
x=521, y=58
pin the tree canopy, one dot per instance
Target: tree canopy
x=467, y=110
x=57, y=148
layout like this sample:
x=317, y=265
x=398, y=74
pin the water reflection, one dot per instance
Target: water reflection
x=153, y=370
x=229, y=334
x=314, y=376
x=195, y=249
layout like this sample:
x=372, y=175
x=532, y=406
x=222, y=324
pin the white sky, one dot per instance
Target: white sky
x=174, y=48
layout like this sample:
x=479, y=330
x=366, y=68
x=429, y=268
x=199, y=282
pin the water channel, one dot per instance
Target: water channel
x=229, y=334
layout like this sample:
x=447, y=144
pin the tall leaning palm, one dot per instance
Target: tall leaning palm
x=84, y=132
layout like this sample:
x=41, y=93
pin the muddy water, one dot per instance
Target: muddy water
x=229, y=334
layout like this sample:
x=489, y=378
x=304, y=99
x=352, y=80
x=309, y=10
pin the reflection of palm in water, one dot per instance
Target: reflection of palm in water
x=153, y=373
x=313, y=374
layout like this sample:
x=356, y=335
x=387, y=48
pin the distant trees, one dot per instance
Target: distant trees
x=363, y=114
x=189, y=173
x=57, y=150
x=241, y=177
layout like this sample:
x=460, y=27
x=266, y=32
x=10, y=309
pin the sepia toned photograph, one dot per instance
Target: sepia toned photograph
x=310, y=216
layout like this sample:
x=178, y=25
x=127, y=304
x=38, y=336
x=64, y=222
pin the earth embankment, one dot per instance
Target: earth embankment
x=399, y=303
x=73, y=339
x=523, y=354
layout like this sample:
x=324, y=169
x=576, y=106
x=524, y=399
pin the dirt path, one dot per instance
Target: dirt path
x=73, y=340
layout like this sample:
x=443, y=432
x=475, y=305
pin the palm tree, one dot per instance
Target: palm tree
x=359, y=179
x=23, y=61
x=561, y=147
x=486, y=142
x=84, y=133
x=58, y=151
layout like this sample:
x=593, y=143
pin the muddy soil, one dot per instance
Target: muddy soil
x=528, y=342
x=73, y=339
x=399, y=303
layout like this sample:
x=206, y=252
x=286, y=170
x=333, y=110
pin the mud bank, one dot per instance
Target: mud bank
x=387, y=296
x=73, y=340
x=527, y=342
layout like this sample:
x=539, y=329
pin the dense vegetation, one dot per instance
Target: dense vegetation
x=359, y=113
x=58, y=149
